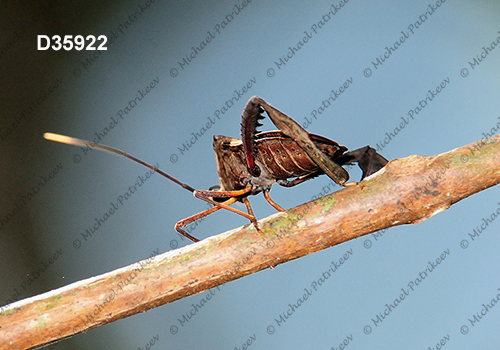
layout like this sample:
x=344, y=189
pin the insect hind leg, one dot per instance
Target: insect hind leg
x=368, y=159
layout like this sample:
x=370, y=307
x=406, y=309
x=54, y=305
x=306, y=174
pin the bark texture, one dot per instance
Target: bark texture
x=406, y=191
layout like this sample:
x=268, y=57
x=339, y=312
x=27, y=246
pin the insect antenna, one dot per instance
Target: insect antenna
x=77, y=142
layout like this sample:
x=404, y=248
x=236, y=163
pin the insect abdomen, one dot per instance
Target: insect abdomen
x=283, y=158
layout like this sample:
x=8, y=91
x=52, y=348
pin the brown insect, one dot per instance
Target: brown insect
x=254, y=163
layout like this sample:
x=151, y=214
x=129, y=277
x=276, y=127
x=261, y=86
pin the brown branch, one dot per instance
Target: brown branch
x=406, y=191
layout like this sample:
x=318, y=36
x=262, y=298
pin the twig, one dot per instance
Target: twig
x=406, y=191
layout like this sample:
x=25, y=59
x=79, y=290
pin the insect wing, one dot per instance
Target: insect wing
x=293, y=129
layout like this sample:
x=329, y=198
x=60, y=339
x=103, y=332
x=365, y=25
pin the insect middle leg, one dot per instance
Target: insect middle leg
x=273, y=203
